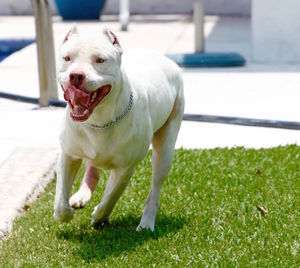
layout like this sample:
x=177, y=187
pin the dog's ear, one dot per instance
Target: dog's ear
x=113, y=39
x=72, y=31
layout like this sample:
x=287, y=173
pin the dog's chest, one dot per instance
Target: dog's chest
x=107, y=150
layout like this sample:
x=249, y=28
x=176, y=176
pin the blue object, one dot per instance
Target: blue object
x=208, y=59
x=79, y=9
x=9, y=46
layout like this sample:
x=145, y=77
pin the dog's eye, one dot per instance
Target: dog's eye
x=100, y=60
x=67, y=58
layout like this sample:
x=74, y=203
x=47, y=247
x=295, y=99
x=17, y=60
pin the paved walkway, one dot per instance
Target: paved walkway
x=255, y=91
x=22, y=177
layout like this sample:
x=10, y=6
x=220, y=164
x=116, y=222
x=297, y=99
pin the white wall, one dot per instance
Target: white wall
x=276, y=30
x=222, y=7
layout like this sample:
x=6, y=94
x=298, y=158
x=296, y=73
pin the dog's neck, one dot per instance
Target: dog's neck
x=118, y=102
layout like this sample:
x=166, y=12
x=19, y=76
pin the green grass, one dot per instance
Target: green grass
x=207, y=217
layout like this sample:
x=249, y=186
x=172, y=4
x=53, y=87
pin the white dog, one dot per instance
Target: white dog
x=117, y=105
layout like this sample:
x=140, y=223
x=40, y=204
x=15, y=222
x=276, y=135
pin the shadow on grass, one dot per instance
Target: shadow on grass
x=117, y=237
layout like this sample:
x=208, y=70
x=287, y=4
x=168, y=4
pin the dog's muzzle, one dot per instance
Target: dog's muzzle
x=82, y=102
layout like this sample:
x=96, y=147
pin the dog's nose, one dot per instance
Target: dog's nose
x=77, y=78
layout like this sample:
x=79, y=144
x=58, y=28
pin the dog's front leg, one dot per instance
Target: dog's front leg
x=88, y=185
x=67, y=170
x=116, y=184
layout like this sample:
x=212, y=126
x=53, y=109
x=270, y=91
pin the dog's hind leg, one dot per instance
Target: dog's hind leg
x=88, y=185
x=163, y=144
x=116, y=184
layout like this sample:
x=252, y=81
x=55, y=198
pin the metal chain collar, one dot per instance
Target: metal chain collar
x=118, y=118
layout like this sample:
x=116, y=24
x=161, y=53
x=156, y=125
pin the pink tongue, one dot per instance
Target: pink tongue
x=77, y=96
x=78, y=109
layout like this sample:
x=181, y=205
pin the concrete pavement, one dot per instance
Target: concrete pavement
x=256, y=91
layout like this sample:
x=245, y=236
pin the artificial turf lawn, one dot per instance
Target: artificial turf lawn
x=207, y=217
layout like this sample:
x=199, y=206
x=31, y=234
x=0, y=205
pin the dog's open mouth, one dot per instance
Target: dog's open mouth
x=83, y=102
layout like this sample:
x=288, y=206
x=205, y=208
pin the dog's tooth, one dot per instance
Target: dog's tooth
x=94, y=96
x=85, y=112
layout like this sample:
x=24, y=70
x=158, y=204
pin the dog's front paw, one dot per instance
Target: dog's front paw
x=81, y=198
x=100, y=216
x=100, y=224
x=64, y=214
x=144, y=225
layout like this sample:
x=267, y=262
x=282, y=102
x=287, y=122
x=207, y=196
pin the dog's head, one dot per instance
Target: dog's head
x=88, y=71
